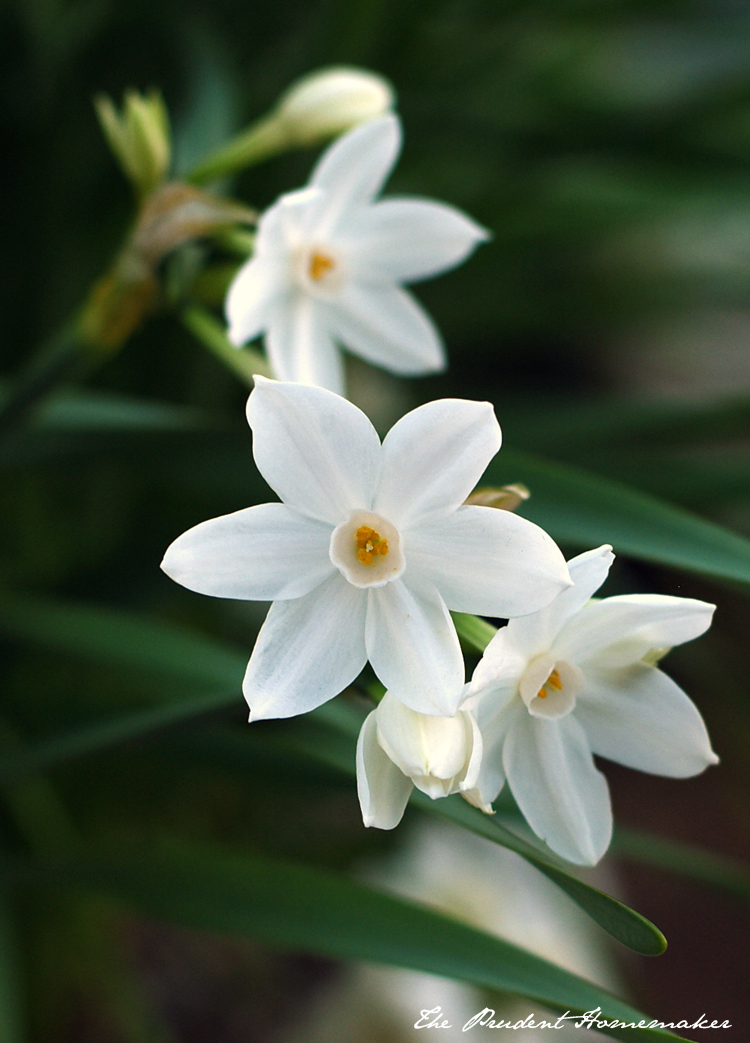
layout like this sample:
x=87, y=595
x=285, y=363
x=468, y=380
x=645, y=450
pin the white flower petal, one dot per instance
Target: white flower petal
x=319, y=452
x=562, y=795
x=434, y=456
x=262, y=553
x=291, y=221
x=386, y=326
x=422, y=744
x=308, y=650
x=473, y=768
x=621, y=630
x=300, y=347
x=639, y=717
x=497, y=674
x=537, y=633
x=383, y=789
x=495, y=712
x=257, y=287
x=413, y=647
x=487, y=561
x=355, y=167
x=404, y=240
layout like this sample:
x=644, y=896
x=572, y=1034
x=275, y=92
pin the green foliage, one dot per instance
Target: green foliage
x=606, y=146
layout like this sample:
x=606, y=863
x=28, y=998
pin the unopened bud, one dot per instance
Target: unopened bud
x=138, y=136
x=330, y=101
x=321, y=105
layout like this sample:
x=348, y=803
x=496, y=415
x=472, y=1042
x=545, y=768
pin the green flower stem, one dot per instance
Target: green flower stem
x=263, y=139
x=244, y=362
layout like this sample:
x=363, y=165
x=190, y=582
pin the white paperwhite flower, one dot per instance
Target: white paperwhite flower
x=370, y=548
x=580, y=678
x=329, y=262
x=399, y=749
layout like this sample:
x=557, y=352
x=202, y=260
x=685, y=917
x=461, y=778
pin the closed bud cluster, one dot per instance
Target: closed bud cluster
x=139, y=137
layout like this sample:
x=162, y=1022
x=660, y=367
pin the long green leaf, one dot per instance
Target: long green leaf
x=299, y=907
x=126, y=639
x=87, y=410
x=585, y=510
x=336, y=749
x=720, y=872
x=573, y=427
x=122, y=638
x=101, y=735
x=617, y=919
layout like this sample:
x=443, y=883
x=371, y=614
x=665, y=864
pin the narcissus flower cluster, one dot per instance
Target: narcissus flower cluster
x=577, y=678
x=373, y=545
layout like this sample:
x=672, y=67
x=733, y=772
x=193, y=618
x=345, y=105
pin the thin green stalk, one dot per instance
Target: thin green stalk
x=263, y=139
x=245, y=362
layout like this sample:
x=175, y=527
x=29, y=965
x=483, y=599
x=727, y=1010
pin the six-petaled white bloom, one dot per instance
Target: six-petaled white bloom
x=369, y=549
x=580, y=678
x=328, y=262
x=399, y=749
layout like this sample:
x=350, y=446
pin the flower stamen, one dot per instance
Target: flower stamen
x=553, y=681
x=369, y=544
x=320, y=265
x=367, y=549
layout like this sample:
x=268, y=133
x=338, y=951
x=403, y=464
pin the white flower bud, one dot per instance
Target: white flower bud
x=330, y=101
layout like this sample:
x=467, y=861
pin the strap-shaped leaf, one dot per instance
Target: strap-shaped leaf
x=126, y=639
x=299, y=907
x=720, y=872
x=623, y=923
x=585, y=510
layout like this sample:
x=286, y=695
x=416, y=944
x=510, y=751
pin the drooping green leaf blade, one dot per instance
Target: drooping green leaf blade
x=87, y=410
x=573, y=427
x=473, y=631
x=122, y=638
x=127, y=639
x=719, y=872
x=617, y=919
x=585, y=510
x=101, y=735
x=299, y=907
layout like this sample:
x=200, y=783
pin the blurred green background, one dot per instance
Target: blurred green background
x=606, y=145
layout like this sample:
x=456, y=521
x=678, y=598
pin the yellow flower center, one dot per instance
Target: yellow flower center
x=320, y=265
x=553, y=681
x=369, y=544
x=367, y=550
x=549, y=686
